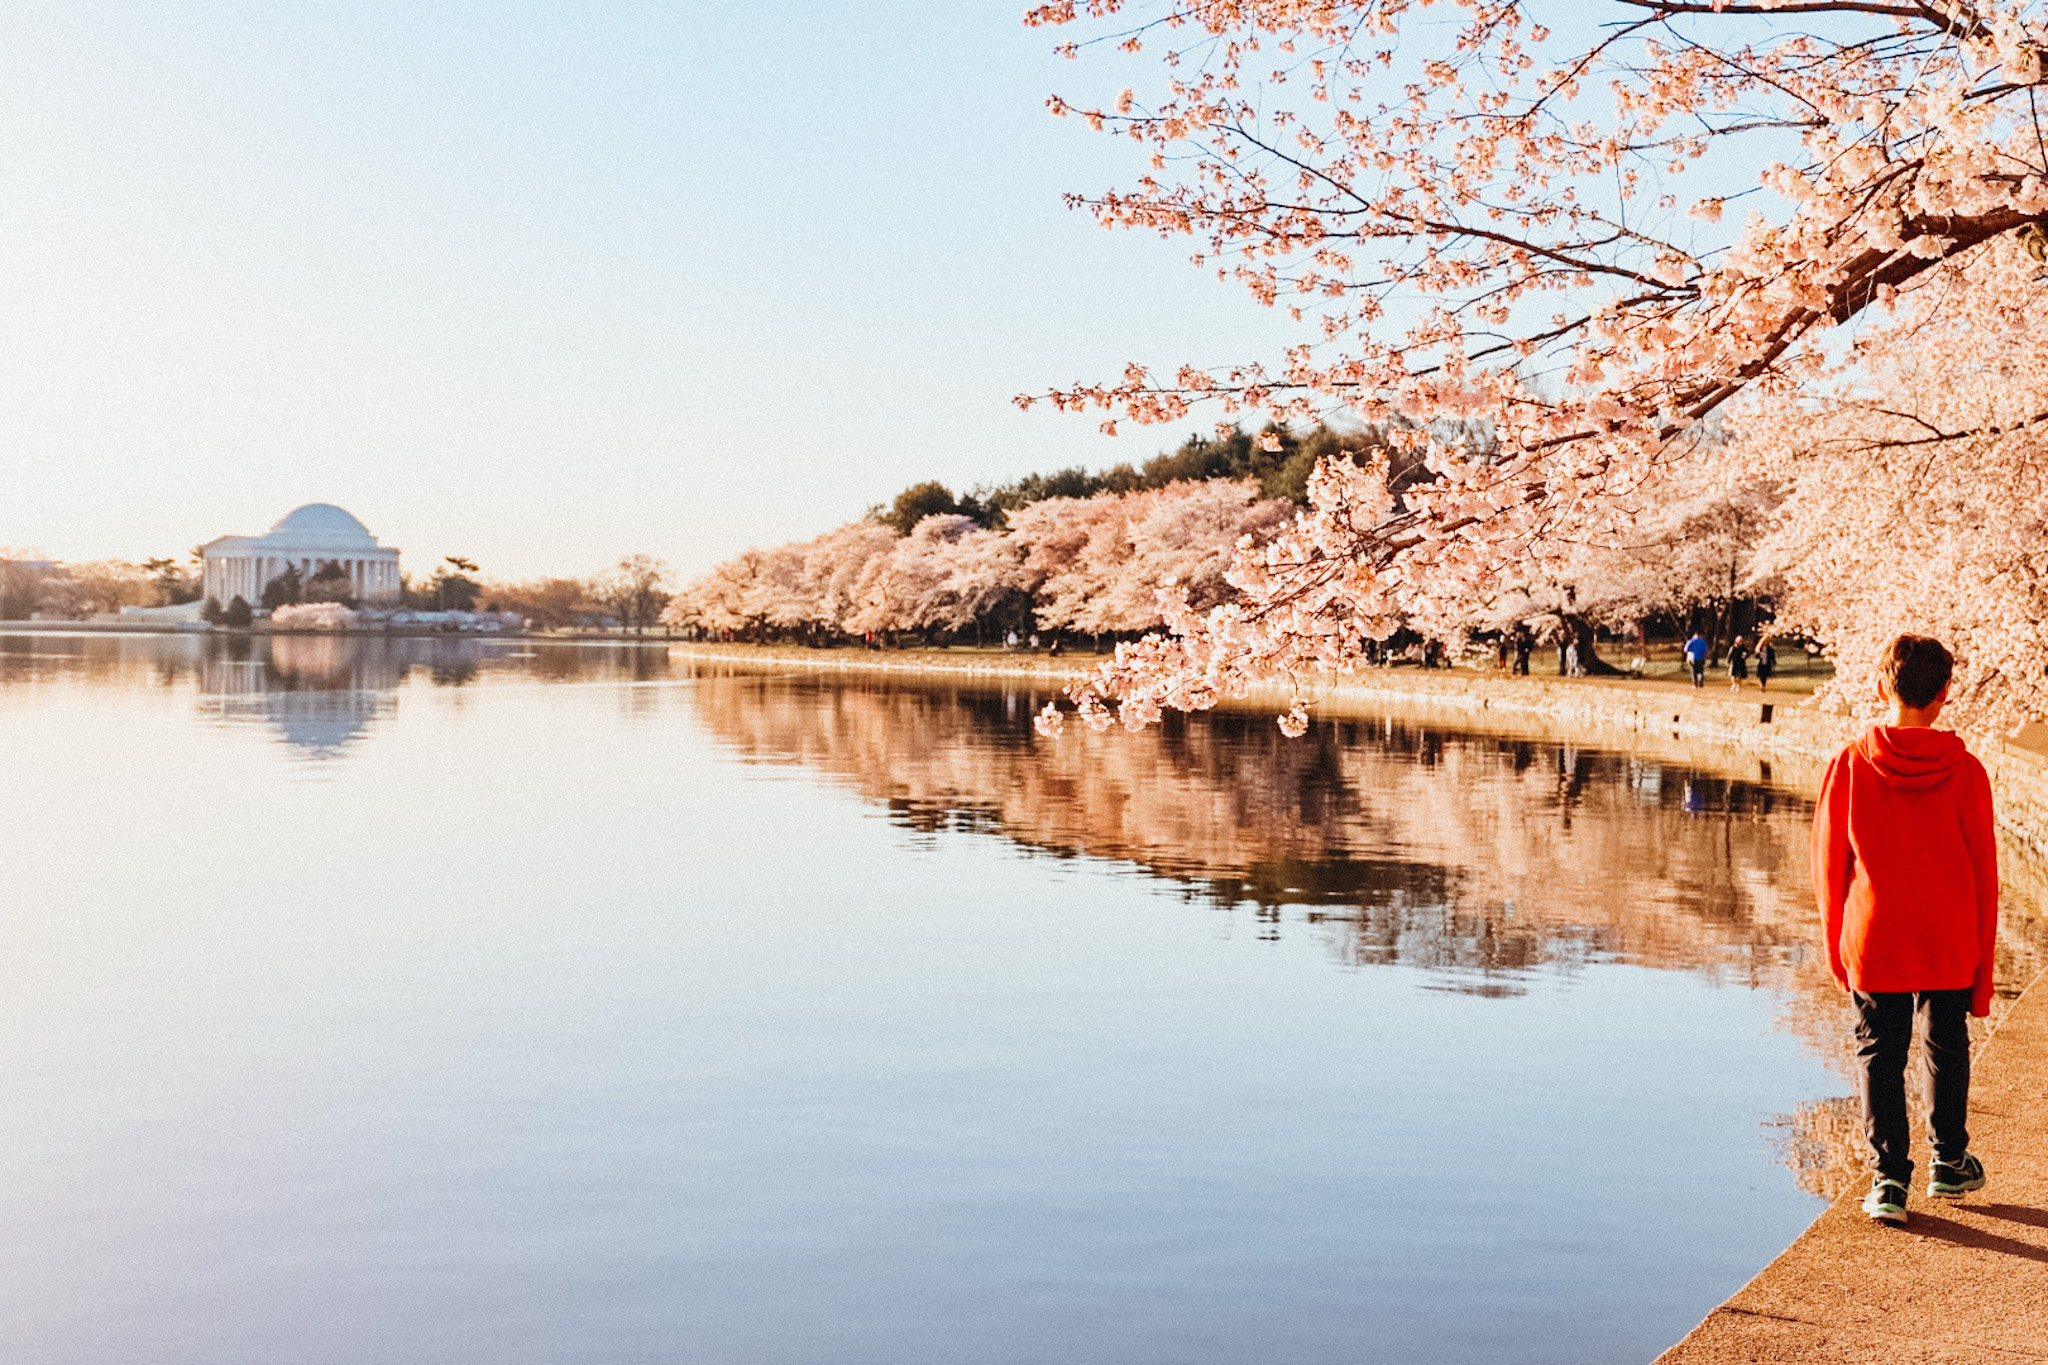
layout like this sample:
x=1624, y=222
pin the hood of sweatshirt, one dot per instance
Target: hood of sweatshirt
x=1912, y=758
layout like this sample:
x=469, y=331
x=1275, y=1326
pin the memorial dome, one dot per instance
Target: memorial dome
x=322, y=524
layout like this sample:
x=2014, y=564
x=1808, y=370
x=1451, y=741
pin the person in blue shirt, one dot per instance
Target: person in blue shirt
x=1696, y=659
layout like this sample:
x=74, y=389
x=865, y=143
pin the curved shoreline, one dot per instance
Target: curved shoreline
x=1966, y=1280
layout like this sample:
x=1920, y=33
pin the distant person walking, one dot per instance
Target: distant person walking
x=1738, y=663
x=1905, y=870
x=1571, y=661
x=1766, y=664
x=1696, y=658
x=1524, y=646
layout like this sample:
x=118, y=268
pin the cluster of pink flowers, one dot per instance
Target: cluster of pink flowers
x=1919, y=490
x=313, y=616
x=1482, y=220
x=1093, y=565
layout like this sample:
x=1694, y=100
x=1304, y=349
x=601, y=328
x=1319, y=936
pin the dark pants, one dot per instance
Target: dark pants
x=1884, y=1030
x=1699, y=671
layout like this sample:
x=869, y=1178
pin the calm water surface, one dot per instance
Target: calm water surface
x=436, y=1001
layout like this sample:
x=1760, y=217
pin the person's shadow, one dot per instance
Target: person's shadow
x=2012, y=1213
x=1946, y=1230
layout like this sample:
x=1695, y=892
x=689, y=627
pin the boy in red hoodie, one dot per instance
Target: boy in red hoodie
x=1905, y=867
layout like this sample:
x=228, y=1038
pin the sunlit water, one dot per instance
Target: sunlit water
x=495, y=1002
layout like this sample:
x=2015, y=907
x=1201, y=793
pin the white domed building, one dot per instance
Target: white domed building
x=310, y=538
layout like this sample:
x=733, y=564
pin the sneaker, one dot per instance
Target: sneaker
x=1958, y=1177
x=1886, y=1202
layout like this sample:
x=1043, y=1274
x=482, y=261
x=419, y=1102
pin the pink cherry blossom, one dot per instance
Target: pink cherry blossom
x=1476, y=218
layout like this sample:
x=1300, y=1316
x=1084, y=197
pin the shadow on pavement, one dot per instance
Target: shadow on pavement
x=1943, y=1230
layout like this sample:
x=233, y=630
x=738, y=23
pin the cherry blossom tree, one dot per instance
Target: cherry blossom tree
x=1097, y=564
x=23, y=574
x=1072, y=548
x=776, y=595
x=835, y=567
x=1692, y=549
x=1479, y=218
x=1919, y=490
x=946, y=575
x=1698, y=548
x=810, y=588
x=719, y=600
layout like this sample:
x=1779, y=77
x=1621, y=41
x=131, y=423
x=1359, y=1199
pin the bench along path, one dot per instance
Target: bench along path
x=1965, y=1282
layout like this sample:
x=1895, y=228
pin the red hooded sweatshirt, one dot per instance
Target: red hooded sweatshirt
x=1905, y=865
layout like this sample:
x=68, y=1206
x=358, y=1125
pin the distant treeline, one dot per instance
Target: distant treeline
x=1278, y=460
x=630, y=594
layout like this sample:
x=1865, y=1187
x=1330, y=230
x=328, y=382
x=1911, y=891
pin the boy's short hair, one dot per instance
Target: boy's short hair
x=1914, y=670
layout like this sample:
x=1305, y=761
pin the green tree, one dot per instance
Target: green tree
x=283, y=590
x=170, y=584
x=1280, y=458
x=451, y=587
x=211, y=613
x=915, y=503
x=991, y=506
x=331, y=583
x=238, y=613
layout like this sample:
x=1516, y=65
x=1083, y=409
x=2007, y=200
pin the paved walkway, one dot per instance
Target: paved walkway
x=1965, y=1282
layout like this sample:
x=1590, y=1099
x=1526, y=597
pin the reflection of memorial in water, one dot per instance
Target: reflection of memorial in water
x=323, y=692
x=320, y=692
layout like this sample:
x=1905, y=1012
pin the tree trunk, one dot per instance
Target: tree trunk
x=1580, y=632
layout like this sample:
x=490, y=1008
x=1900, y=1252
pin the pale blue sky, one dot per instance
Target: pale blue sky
x=545, y=284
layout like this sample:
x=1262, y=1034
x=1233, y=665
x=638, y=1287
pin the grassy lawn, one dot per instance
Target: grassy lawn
x=1798, y=672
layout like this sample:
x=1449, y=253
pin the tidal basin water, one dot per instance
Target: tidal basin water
x=444, y=1001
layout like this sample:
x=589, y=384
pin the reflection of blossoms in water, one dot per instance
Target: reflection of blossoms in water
x=1822, y=1144
x=1481, y=859
x=1476, y=855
